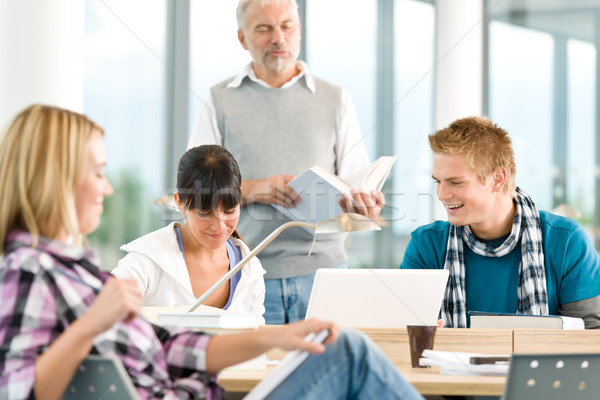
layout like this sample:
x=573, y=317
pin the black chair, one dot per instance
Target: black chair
x=553, y=377
x=101, y=378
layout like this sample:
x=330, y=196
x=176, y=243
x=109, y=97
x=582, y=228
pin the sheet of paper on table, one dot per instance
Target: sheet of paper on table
x=458, y=363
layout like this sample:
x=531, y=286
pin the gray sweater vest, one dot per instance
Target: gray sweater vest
x=273, y=131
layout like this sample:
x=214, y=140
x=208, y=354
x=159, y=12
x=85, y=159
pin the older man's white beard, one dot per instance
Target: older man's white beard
x=278, y=64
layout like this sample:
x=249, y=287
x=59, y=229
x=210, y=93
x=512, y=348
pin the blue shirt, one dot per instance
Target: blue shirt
x=572, y=265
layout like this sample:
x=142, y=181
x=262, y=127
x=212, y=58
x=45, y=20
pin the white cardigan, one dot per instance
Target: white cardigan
x=156, y=262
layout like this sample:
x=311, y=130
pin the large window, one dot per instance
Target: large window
x=345, y=54
x=581, y=114
x=541, y=86
x=520, y=101
x=215, y=52
x=542, y=89
x=124, y=93
x=412, y=199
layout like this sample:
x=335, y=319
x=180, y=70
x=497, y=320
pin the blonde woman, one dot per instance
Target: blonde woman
x=57, y=306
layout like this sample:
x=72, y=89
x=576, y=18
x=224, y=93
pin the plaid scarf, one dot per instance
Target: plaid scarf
x=531, y=292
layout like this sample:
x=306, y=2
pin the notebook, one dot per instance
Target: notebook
x=383, y=298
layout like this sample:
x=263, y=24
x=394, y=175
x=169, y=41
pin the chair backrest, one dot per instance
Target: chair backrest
x=553, y=377
x=101, y=378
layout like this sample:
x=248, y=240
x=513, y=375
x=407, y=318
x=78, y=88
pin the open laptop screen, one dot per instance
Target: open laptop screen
x=387, y=298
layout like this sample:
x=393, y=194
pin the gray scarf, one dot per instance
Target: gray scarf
x=531, y=293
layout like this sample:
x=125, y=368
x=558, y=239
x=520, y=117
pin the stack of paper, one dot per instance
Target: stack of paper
x=151, y=312
x=458, y=363
x=196, y=320
x=255, y=364
x=203, y=317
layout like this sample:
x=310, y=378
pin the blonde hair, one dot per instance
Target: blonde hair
x=484, y=145
x=41, y=156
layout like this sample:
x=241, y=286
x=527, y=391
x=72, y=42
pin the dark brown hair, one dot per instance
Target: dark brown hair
x=208, y=177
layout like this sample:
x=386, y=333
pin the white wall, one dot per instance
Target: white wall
x=41, y=53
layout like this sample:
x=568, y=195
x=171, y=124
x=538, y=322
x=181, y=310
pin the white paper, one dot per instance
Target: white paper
x=458, y=363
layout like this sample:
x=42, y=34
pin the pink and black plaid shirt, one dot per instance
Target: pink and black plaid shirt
x=43, y=289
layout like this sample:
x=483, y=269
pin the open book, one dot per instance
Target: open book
x=489, y=320
x=320, y=190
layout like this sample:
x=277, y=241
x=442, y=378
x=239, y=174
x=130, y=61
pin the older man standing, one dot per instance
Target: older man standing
x=278, y=120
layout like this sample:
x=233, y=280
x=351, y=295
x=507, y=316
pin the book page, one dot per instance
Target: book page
x=319, y=191
x=374, y=176
x=332, y=179
x=151, y=312
x=377, y=174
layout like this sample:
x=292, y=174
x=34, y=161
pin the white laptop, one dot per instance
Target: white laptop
x=382, y=298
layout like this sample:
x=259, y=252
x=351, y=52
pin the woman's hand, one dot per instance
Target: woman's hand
x=226, y=350
x=291, y=337
x=119, y=300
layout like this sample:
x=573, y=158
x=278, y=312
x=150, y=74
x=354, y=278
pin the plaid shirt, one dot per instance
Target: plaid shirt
x=43, y=289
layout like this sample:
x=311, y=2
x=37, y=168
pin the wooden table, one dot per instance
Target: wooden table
x=529, y=341
x=428, y=381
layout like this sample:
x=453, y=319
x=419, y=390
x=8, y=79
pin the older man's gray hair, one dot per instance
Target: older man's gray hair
x=243, y=5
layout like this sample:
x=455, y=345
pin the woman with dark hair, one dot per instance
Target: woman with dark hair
x=177, y=264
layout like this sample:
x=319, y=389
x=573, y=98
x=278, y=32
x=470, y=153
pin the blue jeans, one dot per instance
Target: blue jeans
x=351, y=368
x=286, y=299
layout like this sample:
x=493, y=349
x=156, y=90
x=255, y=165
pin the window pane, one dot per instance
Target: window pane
x=520, y=101
x=124, y=93
x=581, y=116
x=345, y=55
x=342, y=53
x=412, y=198
x=215, y=52
x=543, y=90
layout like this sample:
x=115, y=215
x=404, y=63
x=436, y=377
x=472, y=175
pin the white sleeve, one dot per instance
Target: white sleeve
x=129, y=268
x=206, y=129
x=349, y=146
x=259, y=292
